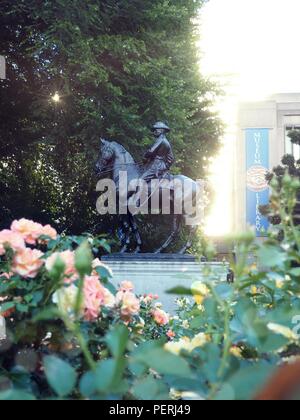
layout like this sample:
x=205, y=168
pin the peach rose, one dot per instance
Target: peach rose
x=95, y=296
x=126, y=286
x=29, y=230
x=66, y=299
x=12, y=240
x=130, y=304
x=161, y=317
x=6, y=276
x=171, y=334
x=27, y=263
x=68, y=257
x=49, y=232
x=109, y=299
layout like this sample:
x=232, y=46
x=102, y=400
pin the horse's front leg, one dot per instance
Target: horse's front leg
x=127, y=233
x=174, y=233
x=137, y=235
x=189, y=242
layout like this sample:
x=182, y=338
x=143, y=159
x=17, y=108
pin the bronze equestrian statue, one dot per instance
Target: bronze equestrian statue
x=115, y=160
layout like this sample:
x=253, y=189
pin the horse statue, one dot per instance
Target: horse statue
x=114, y=161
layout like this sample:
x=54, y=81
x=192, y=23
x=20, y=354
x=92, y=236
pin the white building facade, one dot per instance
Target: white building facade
x=262, y=141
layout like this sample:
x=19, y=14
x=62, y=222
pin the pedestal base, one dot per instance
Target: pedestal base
x=156, y=274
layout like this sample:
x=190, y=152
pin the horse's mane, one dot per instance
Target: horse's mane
x=121, y=149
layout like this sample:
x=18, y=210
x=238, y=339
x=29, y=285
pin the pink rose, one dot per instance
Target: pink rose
x=12, y=240
x=27, y=263
x=130, y=304
x=49, y=232
x=29, y=230
x=126, y=286
x=68, y=257
x=161, y=317
x=147, y=299
x=109, y=299
x=6, y=276
x=171, y=334
x=95, y=296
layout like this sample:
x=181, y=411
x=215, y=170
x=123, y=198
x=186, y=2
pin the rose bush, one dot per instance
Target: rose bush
x=71, y=334
x=60, y=309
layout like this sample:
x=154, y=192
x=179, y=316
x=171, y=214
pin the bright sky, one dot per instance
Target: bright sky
x=251, y=47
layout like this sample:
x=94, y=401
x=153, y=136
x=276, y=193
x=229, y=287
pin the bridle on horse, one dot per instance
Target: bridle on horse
x=140, y=164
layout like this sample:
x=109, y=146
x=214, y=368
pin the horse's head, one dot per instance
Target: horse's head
x=106, y=157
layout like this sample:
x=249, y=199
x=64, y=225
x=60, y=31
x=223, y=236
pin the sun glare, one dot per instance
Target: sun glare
x=248, y=46
x=56, y=98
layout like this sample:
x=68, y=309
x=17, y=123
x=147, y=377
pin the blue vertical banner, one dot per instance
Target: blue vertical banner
x=257, y=155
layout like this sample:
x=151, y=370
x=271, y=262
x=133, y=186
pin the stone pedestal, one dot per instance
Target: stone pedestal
x=158, y=273
x=2, y=328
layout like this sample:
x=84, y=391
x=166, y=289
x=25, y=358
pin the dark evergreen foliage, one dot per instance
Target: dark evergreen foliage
x=118, y=65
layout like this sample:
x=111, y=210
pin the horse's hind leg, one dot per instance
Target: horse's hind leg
x=189, y=243
x=176, y=225
x=137, y=235
x=127, y=230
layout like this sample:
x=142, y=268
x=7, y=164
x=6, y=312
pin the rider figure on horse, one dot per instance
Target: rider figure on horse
x=160, y=157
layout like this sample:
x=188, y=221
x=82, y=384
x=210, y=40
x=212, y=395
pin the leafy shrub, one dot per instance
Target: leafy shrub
x=70, y=334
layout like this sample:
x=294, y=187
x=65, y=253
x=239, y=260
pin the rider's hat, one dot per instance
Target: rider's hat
x=161, y=126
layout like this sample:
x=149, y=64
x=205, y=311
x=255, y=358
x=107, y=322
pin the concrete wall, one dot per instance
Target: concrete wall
x=157, y=277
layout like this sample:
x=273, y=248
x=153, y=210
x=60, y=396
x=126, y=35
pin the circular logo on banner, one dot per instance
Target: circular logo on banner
x=256, y=178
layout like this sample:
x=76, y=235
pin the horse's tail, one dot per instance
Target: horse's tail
x=193, y=199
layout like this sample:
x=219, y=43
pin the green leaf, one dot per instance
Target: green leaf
x=37, y=298
x=117, y=340
x=224, y=290
x=7, y=306
x=148, y=389
x=196, y=323
x=210, y=358
x=271, y=256
x=247, y=382
x=88, y=386
x=57, y=270
x=48, y=313
x=22, y=308
x=295, y=272
x=61, y=375
x=105, y=245
x=103, y=272
x=137, y=369
x=109, y=375
x=180, y=290
x=84, y=259
x=164, y=362
x=16, y=395
x=4, y=287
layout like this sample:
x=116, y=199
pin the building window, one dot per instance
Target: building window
x=290, y=148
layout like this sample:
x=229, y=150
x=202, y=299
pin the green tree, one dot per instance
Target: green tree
x=118, y=66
